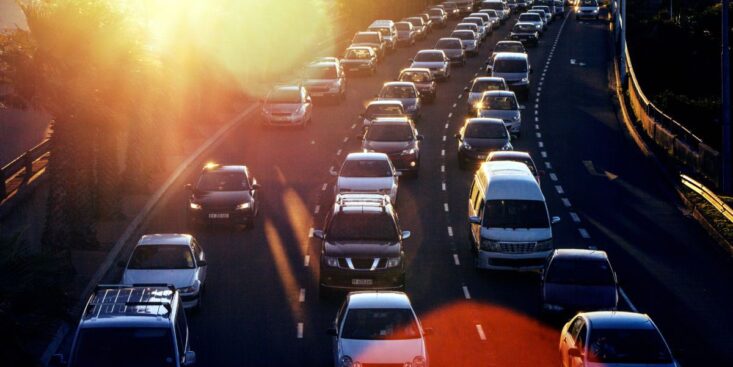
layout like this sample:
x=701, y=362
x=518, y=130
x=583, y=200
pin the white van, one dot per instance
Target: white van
x=387, y=29
x=509, y=228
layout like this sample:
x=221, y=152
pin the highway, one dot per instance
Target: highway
x=261, y=304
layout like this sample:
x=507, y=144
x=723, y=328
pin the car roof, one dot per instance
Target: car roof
x=323, y=63
x=379, y=299
x=165, y=239
x=366, y=33
x=385, y=102
x=422, y=70
x=511, y=55
x=509, y=42
x=488, y=79
x=449, y=39
x=509, y=180
x=579, y=254
x=484, y=120
x=398, y=84
x=362, y=203
x=462, y=30
x=213, y=167
x=391, y=121
x=364, y=156
x=510, y=154
x=113, y=305
x=430, y=51
x=465, y=24
x=618, y=320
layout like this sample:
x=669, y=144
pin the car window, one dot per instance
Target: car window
x=448, y=44
x=510, y=66
x=580, y=272
x=358, y=53
x=197, y=253
x=321, y=72
x=161, y=257
x=363, y=227
x=380, y=324
x=390, y=132
x=398, y=91
x=366, y=168
x=383, y=110
x=480, y=86
x=464, y=35
x=222, y=181
x=429, y=56
x=468, y=27
x=588, y=3
x=509, y=47
x=153, y=347
x=485, y=131
x=580, y=339
x=284, y=96
x=515, y=214
x=435, y=12
x=575, y=327
x=490, y=102
x=366, y=38
x=416, y=76
x=416, y=22
x=526, y=17
x=402, y=26
x=635, y=346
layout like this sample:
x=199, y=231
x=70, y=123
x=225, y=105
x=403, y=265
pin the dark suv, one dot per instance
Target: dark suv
x=362, y=245
x=223, y=194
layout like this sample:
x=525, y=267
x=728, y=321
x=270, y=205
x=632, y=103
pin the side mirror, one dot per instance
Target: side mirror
x=332, y=331
x=575, y=353
x=427, y=331
x=318, y=233
x=57, y=360
x=190, y=358
x=474, y=220
x=256, y=186
x=202, y=263
x=420, y=137
x=555, y=220
x=406, y=235
x=188, y=187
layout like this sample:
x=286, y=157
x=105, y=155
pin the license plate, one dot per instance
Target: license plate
x=218, y=215
x=362, y=281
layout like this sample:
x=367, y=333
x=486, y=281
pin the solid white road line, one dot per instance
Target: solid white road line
x=574, y=216
x=301, y=296
x=300, y=330
x=465, y=293
x=481, y=333
x=566, y=202
x=627, y=300
x=456, y=260
x=584, y=233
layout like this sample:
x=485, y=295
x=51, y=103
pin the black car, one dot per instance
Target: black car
x=480, y=136
x=223, y=194
x=361, y=245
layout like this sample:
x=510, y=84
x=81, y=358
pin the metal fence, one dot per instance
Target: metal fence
x=16, y=175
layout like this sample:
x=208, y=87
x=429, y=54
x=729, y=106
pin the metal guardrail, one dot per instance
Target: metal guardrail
x=15, y=175
x=708, y=195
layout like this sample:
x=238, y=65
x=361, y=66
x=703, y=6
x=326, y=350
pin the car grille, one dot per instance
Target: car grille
x=517, y=247
x=364, y=263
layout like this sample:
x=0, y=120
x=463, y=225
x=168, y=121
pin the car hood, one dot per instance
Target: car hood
x=452, y=52
x=362, y=249
x=500, y=114
x=222, y=198
x=517, y=235
x=365, y=184
x=510, y=77
x=382, y=351
x=581, y=297
x=387, y=146
x=428, y=64
x=486, y=144
x=180, y=278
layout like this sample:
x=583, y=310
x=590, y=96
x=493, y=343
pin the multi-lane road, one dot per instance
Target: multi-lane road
x=261, y=304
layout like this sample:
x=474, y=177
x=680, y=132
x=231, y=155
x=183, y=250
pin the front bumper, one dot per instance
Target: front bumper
x=524, y=37
x=518, y=262
x=404, y=162
x=338, y=278
x=472, y=156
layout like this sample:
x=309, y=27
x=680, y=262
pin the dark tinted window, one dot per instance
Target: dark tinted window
x=494, y=6
x=402, y=26
x=124, y=347
x=284, y=96
x=588, y=3
x=366, y=168
x=380, y=324
x=485, y=131
x=510, y=66
x=635, y=346
x=466, y=27
x=435, y=12
x=379, y=227
x=515, y=214
x=383, y=110
x=366, y=38
x=389, y=132
x=581, y=272
x=416, y=22
x=222, y=181
x=429, y=56
x=527, y=17
x=416, y=76
x=490, y=102
x=162, y=257
x=486, y=85
x=448, y=44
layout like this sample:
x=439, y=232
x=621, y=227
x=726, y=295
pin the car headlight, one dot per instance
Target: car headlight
x=515, y=118
x=507, y=146
x=538, y=26
x=525, y=80
x=489, y=245
x=467, y=146
x=418, y=361
x=410, y=151
x=393, y=262
x=545, y=245
x=478, y=106
x=244, y=206
x=194, y=206
x=346, y=361
x=191, y=289
x=331, y=261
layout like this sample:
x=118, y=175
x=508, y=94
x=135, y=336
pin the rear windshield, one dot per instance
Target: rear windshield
x=416, y=22
x=377, y=227
x=389, y=132
x=398, y=91
x=366, y=38
x=490, y=102
x=161, y=257
x=380, y=324
x=284, y=96
x=358, y=54
x=510, y=66
x=228, y=181
x=382, y=110
x=509, y=47
x=588, y=3
x=477, y=22
x=402, y=26
x=580, y=272
x=321, y=72
x=366, y=168
x=515, y=214
x=464, y=35
x=429, y=56
x=491, y=13
x=416, y=76
x=634, y=346
x=529, y=17
x=435, y=12
x=448, y=44
x=153, y=347
x=480, y=86
x=485, y=131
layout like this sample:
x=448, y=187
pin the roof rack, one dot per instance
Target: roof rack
x=370, y=199
x=122, y=299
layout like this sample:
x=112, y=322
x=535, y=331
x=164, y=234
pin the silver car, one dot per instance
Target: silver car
x=366, y=173
x=405, y=92
x=502, y=105
x=377, y=109
x=514, y=68
x=493, y=15
x=378, y=329
x=326, y=79
x=504, y=46
x=434, y=60
x=421, y=28
x=533, y=18
x=453, y=49
x=469, y=27
x=479, y=22
x=398, y=138
x=175, y=259
x=287, y=105
x=359, y=59
x=489, y=24
x=405, y=34
x=469, y=40
x=480, y=85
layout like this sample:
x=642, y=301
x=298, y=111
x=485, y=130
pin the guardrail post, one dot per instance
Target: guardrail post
x=28, y=164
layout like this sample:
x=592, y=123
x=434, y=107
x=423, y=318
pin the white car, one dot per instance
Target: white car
x=175, y=259
x=588, y=9
x=369, y=173
x=378, y=329
x=516, y=156
x=613, y=339
x=435, y=60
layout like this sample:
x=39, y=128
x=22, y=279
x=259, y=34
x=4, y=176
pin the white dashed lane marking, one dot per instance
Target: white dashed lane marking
x=465, y=293
x=548, y=165
x=323, y=188
x=574, y=216
x=543, y=154
x=449, y=116
x=317, y=209
x=306, y=260
x=310, y=232
x=443, y=186
x=553, y=177
x=445, y=207
x=300, y=330
x=456, y=260
x=301, y=296
x=559, y=189
x=338, y=152
x=481, y=334
x=450, y=231
x=584, y=233
x=566, y=202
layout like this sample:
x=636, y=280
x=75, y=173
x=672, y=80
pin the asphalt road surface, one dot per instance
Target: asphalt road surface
x=261, y=304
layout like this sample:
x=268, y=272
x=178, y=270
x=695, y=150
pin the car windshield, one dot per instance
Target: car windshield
x=389, y=132
x=284, y=96
x=366, y=168
x=363, y=227
x=398, y=91
x=435, y=12
x=474, y=21
x=515, y=214
x=467, y=27
x=480, y=86
x=509, y=47
x=415, y=22
x=485, y=131
x=465, y=35
x=415, y=76
x=580, y=272
x=527, y=17
x=358, y=53
x=429, y=56
x=448, y=44
x=383, y=110
x=222, y=181
x=161, y=257
x=402, y=26
x=634, y=346
x=491, y=13
x=510, y=66
x=589, y=3
x=505, y=103
x=537, y=11
x=366, y=38
x=153, y=347
x=380, y=324
x=321, y=72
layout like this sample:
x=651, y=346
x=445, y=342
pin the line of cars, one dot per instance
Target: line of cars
x=362, y=239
